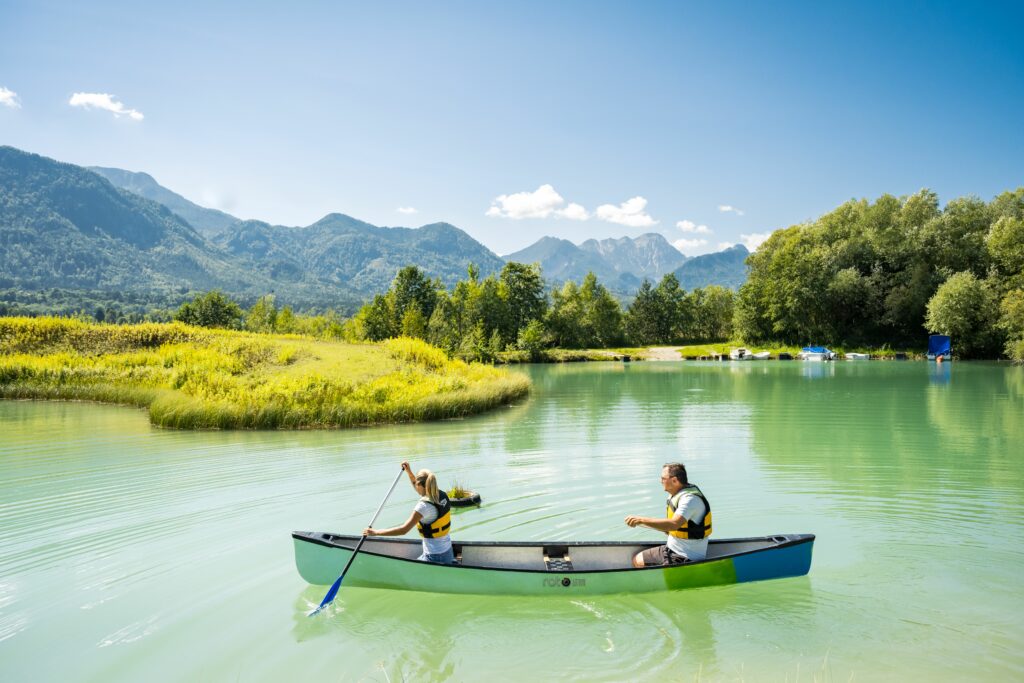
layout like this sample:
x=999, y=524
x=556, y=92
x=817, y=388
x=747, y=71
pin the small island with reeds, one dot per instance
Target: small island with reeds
x=197, y=378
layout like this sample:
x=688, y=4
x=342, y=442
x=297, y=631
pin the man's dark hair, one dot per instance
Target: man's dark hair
x=677, y=470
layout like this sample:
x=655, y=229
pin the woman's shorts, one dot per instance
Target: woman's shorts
x=447, y=557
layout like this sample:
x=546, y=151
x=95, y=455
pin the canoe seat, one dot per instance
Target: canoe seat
x=556, y=558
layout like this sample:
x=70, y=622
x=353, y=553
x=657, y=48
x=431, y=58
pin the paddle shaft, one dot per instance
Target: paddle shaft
x=375, y=514
x=337, y=584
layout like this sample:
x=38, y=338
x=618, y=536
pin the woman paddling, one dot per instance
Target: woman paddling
x=432, y=515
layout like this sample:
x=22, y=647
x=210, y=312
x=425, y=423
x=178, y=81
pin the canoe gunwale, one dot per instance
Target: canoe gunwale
x=792, y=540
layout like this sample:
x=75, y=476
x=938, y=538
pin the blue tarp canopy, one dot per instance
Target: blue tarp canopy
x=938, y=345
x=815, y=349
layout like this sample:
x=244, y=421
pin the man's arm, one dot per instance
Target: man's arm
x=662, y=524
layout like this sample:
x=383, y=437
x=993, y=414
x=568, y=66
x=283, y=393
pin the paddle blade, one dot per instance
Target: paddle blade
x=329, y=598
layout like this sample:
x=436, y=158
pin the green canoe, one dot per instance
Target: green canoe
x=574, y=568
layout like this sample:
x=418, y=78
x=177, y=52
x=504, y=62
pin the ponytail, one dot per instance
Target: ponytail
x=428, y=481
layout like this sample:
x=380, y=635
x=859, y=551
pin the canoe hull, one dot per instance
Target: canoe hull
x=320, y=557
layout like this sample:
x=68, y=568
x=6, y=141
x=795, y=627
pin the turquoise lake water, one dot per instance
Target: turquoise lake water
x=133, y=553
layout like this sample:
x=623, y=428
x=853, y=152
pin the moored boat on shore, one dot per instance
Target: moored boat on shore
x=539, y=568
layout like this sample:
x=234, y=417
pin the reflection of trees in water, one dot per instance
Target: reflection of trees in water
x=595, y=400
x=886, y=429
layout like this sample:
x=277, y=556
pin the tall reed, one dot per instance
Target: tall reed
x=194, y=378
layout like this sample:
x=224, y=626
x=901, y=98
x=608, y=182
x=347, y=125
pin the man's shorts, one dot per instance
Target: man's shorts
x=661, y=555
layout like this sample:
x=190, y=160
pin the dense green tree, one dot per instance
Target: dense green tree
x=262, y=317
x=565, y=317
x=602, y=315
x=522, y=289
x=412, y=287
x=965, y=309
x=1005, y=242
x=712, y=308
x=443, y=328
x=286, y=322
x=378, y=319
x=1011, y=322
x=212, y=309
x=642, y=321
x=413, y=323
x=532, y=339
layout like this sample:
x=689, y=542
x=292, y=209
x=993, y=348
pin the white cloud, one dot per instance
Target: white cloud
x=630, y=212
x=541, y=203
x=574, y=212
x=724, y=245
x=690, y=226
x=95, y=100
x=753, y=241
x=407, y=210
x=688, y=247
x=9, y=98
x=725, y=208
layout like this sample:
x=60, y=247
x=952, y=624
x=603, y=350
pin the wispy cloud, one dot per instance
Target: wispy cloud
x=630, y=212
x=690, y=226
x=95, y=100
x=9, y=98
x=754, y=240
x=725, y=208
x=689, y=247
x=541, y=203
x=724, y=245
x=407, y=210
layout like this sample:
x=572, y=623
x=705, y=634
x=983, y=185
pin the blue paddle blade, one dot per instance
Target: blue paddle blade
x=329, y=598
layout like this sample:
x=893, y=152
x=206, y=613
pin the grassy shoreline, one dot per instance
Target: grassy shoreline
x=197, y=378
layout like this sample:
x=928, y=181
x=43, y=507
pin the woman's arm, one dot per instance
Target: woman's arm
x=413, y=520
x=408, y=471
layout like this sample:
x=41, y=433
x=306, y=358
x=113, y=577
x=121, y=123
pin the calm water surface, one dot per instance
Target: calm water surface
x=131, y=553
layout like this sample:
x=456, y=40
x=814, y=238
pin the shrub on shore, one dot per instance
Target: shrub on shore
x=197, y=378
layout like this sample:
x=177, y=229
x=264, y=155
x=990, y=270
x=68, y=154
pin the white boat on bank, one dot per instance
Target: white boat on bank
x=816, y=353
x=858, y=356
x=740, y=354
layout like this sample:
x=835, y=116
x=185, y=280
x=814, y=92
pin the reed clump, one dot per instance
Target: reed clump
x=197, y=378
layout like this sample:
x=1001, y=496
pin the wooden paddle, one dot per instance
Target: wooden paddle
x=337, y=584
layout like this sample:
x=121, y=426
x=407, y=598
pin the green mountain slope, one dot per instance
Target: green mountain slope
x=63, y=226
x=205, y=221
x=726, y=268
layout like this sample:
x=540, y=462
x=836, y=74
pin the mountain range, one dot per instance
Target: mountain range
x=106, y=229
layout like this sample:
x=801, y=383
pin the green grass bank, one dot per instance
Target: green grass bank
x=197, y=378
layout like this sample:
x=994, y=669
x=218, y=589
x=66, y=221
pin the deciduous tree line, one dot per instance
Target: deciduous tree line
x=479, y=318
x=890, y=271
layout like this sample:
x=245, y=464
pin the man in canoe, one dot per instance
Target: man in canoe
x=687, y=522
x=432, y=516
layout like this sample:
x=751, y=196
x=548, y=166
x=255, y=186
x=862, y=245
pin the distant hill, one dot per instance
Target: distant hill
x=205, y=221
x=346, y=252
x=647, y=256
x=726, y=268
x=623, y=263
x=64, y=226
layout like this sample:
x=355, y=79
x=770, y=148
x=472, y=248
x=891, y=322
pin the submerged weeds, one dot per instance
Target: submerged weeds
x=193, y=378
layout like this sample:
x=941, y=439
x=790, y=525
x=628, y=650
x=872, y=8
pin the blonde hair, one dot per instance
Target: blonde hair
x=428, y=481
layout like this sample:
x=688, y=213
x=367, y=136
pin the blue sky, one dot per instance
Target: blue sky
x=516, y=121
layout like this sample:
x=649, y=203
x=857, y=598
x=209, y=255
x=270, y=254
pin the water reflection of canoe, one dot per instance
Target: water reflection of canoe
x=574, y=568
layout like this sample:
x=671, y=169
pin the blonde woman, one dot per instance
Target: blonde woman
x=432, y=516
